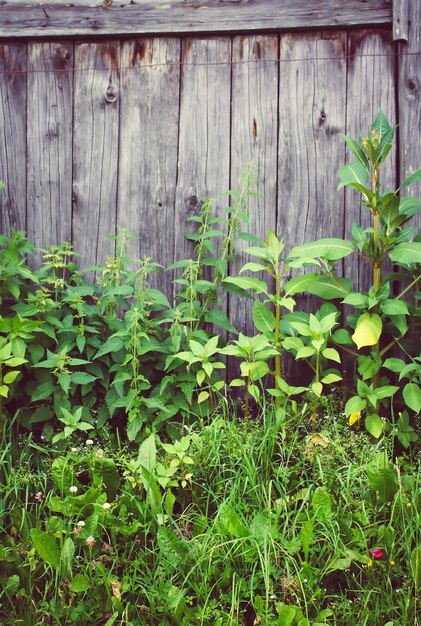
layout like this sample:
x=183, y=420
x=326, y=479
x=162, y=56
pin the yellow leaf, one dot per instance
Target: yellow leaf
x=368, y=330
x=354, y=417
x=116, y=586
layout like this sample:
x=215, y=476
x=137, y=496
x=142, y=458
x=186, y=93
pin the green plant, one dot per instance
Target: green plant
x=385, y=240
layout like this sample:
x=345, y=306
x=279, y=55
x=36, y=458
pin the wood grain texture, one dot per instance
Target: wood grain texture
x=254, y=140
x=13, y=58
x=312, y=97
x=148, y=148
x=409, y=94
x=95, y=149
x=49, y=141
x=204, y=134
x=312, y=105
x=370, y=57
x=400, y=20
x=131, y=17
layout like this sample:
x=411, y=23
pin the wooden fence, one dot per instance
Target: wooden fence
x=125, y=116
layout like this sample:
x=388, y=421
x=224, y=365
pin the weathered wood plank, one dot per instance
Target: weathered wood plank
x=204, y=133
x=49, y=141
x=312, y=97
x=130, y=17
x=148, y=148
x=370, y=76
x=254, y=140
x=409, y=90
x=400, y=20
x=95, y=150
x=13, y=60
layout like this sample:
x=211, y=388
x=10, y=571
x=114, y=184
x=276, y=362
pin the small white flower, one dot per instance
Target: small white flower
x=90, y=541
x=73, y=449
x=73, y=489
x=106, y=505
x=81, y=524
x=89, y=442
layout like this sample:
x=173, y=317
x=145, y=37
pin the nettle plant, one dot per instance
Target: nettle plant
x=382, y=315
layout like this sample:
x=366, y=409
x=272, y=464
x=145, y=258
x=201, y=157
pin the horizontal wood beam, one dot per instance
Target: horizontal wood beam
x=25, y=19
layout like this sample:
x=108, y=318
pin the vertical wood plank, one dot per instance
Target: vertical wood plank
x=312, y=96
x=409, y=95
x=95, y=150
x=371, y=87
x=148, y=148
x=13, y=60
x=49, y=137
x=254, y=140
x=204, y=134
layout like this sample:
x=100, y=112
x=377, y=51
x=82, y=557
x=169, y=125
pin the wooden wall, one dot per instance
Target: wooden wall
x=129, y=132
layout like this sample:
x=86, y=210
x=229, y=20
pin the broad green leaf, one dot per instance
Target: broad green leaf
x=147, y=454
x=67, y=556
x=412, y=396
x=82, y=378
x=46, y=546
x=317, y=388
x=80, y=583
x=231, y=524
x=407, y=253
x=355, y=173
x=374, y=425
x=298, y=284
x=331, y=378
x=260, y=253
x=331, y=249
x=252, y=267
x=368, y=330
x=357, y=151
x=393, y=364
x=245, y=282
x=263, y=317
x=10, y=377
x=203, y=395
x=332, y=355
x=330, y=288
x=305, y=353
x=394, y=307
x=112, y=344
x=386, y=391
x=382, y=477
x=354, y=405
x=414, y=177
x=219, y=318
x=359, y=300
x=286, y=614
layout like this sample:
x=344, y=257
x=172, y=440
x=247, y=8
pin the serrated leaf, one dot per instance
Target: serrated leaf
x=80, y=583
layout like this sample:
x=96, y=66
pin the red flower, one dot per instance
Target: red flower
x=377, y=553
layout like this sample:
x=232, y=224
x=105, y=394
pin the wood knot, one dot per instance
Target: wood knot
x=110, y=94
x=193, y=204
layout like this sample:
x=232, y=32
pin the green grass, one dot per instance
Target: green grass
x=273, y=525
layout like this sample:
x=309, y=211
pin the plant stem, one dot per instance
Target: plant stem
x=277, y=331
